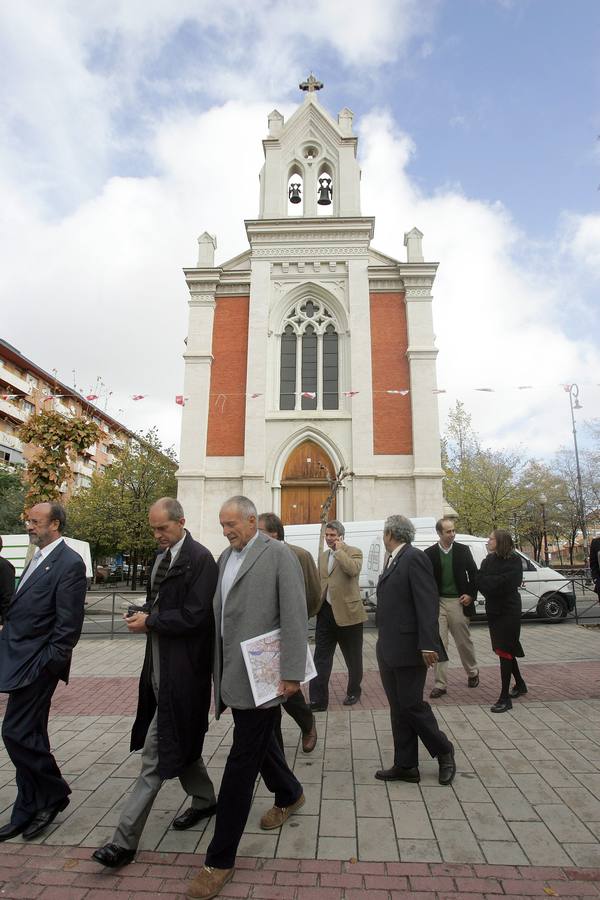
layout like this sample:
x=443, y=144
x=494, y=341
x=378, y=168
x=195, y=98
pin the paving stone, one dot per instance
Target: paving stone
x=365, y=750
x=77, y=826
x=513, y=761
x=336, y=848
x=441, y=803
x=372, y=802
x=503, y=853
x=535, y=789
x=338, y=760
x=337, y=818
x=337, y=785
x=582, y=802
x=377, y=840
x=411, y=820
x=563, y=823
x=583, y=854
x=468, y=787
x=457, y=842
x=298, y=839
x=419, y=850
x=538, y=843
x=486, y=822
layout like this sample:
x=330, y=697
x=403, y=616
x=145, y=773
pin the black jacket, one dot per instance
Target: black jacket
x=407, y=610
x=463, y=569
x=595, y=563
x=44, y=620
x=183, y=620
x=7, y=585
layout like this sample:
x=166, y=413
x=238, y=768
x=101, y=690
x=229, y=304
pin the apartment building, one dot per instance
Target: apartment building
x=27, y=389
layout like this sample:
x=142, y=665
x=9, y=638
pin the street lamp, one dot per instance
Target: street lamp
x=573, y=392
x=543, y=501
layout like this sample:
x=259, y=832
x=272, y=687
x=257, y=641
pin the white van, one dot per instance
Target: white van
x=544, y=592
x=15, y=547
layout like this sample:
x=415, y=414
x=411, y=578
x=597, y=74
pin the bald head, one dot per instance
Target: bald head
x=167, y=522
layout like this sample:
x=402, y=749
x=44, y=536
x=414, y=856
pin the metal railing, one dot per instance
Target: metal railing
x=104, y=612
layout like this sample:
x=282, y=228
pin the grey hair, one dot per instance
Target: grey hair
x=172, y=507
x=400, y=528
x=337, y=526
x=245, y=506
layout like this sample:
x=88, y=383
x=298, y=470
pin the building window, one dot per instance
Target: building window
x=309, y=361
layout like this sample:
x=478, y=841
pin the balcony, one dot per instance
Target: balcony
x=14, y=412
x=81, y=468
x=11, y=440
x=13, y=380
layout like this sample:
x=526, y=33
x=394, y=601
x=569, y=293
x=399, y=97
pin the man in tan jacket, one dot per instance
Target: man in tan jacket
x=340, y=618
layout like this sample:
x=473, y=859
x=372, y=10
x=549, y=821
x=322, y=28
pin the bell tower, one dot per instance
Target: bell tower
x=311, y=349
x=310, y=162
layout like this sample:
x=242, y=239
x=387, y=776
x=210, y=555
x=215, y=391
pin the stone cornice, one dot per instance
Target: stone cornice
x=202, y=281
x=310, y=232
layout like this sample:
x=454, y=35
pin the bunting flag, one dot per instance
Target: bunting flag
x=180, y=399
x=139, y=396
x=254, y=396
x=310, y=395
x=91, y=397
x=485, y=390
x=402, y=393
x=350, y=393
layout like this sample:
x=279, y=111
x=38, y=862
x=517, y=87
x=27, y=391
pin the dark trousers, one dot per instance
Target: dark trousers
x=327, y=636
x=254, y=751
x=412, y=717
x=25, y=734
x=301, y=713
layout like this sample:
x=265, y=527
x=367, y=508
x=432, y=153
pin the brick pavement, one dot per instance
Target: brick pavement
x=522, y=818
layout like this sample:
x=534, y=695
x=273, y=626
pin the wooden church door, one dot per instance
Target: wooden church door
x=304, y=486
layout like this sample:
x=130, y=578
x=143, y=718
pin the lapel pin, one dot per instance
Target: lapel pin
x=47, y=568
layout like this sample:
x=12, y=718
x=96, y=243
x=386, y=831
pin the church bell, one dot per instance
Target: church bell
x=294, y=192
x=325, y=191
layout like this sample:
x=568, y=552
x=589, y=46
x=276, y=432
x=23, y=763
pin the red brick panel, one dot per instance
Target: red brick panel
x=392, y=420
x=227, y=412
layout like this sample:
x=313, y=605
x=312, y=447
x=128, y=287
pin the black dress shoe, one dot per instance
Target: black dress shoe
x=113, y=856
x=447, y=767
x=518, y=690
x=318, y=707
x=193, y=815
x=437, y=692
x=473, y=681
x=503, y=704
x=43, y=818
x=10, y=831
x=398, y=773
x=351, y=699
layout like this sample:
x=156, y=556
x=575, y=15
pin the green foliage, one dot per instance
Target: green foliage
x=112, y=514
x=12, y=502
x=59, y=439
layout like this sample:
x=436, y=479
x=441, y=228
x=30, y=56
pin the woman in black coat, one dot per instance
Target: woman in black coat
x=499, y=580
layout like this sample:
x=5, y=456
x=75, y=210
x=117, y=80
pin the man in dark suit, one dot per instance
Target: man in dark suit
x=408, y=643
x=41, y=628
x=260, y=589
x=7, y=584
x=296, y=706
x=455, y=573
x=174, y=691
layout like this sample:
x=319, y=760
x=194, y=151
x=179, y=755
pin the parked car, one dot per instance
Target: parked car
x=544, y=592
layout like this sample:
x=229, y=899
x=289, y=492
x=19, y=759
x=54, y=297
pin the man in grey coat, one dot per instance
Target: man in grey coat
x=260, y=588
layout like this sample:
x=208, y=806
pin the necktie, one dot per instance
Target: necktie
x=35, y=561
x=163, y=568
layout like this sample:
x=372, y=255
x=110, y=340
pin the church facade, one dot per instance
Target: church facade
x=310, y=350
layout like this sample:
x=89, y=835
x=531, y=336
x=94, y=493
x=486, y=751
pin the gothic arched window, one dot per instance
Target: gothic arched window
x=309, y=372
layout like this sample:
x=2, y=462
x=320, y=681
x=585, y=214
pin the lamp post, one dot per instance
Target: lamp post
x=543, y=501
x=573, y=392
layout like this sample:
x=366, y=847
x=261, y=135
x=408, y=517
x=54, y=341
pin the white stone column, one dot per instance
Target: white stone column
x=202, y=284
x=256, y=376
x=422, y=353
x=359, y=317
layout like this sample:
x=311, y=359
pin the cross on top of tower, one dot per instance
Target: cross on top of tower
x=311, y=84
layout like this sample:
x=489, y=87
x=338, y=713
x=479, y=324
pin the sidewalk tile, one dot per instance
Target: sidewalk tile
x=419, y=850
x=377, y=840
x=541, y=848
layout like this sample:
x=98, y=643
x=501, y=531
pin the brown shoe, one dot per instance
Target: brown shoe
x=209, y=882
x=309, y=740
x=276, y=816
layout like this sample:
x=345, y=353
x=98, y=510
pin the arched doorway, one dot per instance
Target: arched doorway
x=304, y=486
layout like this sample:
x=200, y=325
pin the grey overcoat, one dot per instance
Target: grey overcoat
x=267, y=593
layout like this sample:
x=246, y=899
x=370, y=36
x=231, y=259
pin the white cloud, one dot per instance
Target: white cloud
x=497, y=319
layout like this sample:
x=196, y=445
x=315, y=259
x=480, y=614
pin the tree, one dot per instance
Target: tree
x=12, y=501
x=59, y=439
x=484, y=486
x=112, y=514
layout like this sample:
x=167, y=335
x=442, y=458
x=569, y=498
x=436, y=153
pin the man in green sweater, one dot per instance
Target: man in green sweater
x=456, y=574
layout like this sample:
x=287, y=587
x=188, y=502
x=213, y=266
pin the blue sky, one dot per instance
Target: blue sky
x=128, y=128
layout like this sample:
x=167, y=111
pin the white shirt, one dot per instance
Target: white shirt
x=38, y=557
x=445, y=550
x=232, y=567
x=176, y=548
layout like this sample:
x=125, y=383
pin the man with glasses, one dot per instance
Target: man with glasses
x=41, y=627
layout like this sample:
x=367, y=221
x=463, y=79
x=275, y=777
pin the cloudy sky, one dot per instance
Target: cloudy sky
x=131, y=126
